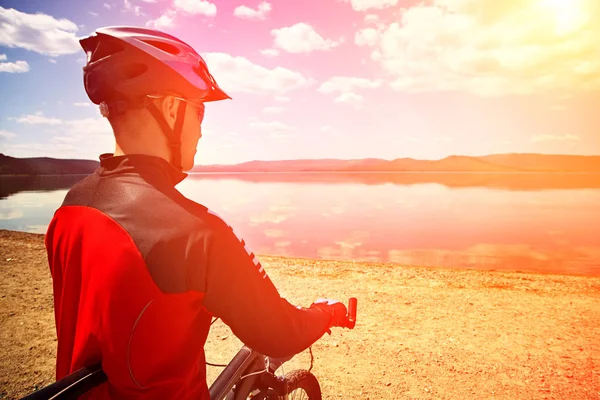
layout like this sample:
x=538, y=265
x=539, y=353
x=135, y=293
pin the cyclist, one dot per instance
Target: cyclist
x=138, y=269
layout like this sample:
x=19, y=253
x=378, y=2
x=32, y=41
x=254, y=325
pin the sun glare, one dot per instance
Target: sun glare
x=568, y=14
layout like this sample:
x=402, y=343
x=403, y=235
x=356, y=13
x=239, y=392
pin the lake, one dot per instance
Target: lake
x=525, y=222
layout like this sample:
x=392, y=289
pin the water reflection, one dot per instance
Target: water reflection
x=508, y=180
x=489, y=221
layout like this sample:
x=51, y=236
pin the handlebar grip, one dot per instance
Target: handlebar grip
x=352, y=302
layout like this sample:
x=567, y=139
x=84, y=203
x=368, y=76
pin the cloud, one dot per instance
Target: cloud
x=269, y=52
x=182, y=7
x=346, y=87
x=371, y=18
x=93, y=14
x=274, y=233
x=17, y=67
x=282, y=99
x=195, y=7
x=107, y=6
x=273, y=127
x=52, y=61
x=164, y=21
x=82, y=104
x=272, y=110
x=80, y=138
x=37, y=119
x=492, y=48
x=351, y=98
x=245, y=12
x=130, y=7
x=366, y=37
x=364, y=5
x=301, y=38
x=555, y=138
x=238, y=74
x=348, y=84
x=6, y=134
x=38, y=32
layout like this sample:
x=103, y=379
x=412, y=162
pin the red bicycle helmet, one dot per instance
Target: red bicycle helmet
x=125, y=64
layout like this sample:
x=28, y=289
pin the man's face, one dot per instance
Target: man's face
x=191, y=134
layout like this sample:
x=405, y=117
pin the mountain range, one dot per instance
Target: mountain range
x=497, y=163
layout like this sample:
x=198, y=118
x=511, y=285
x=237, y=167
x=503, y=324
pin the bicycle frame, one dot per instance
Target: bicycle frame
x=247, y=370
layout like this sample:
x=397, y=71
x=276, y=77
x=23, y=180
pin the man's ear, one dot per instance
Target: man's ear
x=169, y=108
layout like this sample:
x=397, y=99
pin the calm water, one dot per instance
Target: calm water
x=539, y=222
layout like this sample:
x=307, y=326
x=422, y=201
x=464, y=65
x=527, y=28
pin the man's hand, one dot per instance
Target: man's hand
x=336, y=309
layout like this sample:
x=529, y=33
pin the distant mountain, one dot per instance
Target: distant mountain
x=491, y=163
x=45, y=166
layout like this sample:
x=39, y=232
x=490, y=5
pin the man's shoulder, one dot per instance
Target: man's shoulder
x=203, y=214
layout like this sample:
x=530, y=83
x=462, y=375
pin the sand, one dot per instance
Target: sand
x=422, y=333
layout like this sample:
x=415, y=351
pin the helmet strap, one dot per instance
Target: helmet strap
x=173, y=135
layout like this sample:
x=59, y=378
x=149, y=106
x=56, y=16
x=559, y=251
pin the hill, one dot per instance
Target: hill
x=491, y=163
x=495, y=163
x=45, y=166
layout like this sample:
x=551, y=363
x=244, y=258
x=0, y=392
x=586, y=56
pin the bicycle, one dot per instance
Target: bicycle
x=249, y=375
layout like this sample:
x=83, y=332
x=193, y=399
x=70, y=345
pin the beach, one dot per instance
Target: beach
x=421, y=332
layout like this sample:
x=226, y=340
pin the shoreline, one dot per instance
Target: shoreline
x=422, y=332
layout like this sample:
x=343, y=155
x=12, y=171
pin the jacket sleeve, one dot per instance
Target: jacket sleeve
x=238, y=290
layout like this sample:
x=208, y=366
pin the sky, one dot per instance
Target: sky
x=312, y=79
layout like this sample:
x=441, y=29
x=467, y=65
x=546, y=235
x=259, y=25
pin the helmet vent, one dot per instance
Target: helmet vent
x=166, y=47
x=133, y=70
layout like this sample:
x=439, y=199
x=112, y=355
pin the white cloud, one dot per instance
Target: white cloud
x=348, y=84
x=272, y=127
x=245, y=12
x=346, y=87
x=182, y=7
x=269, y=52
x=81, y=139
x=6, y=134
x=37, y=119
x=238, y=74
x=366, y=37
x=282, y=99
x=272, y=110
x=196, y=7
x=107, y=6
x=164, y=21
x=82, y=104
x=555, y=138
x=17, y=67
x=38, y=32
x=364, y=5
x=130, y=7
x=493, y=48
x=3, y=57
x=349, y=97
x=93, y=14
x=371, y=18
x=301, y=38
x=275, y=129
x=52, y=61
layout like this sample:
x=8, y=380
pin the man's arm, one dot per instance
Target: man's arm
x=239, y=292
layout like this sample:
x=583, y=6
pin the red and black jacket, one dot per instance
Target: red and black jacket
x=138, y=272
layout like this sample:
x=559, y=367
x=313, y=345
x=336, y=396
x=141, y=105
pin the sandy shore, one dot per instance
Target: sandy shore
x=422, y=333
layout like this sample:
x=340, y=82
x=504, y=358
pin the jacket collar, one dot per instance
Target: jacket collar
x=152, y=167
